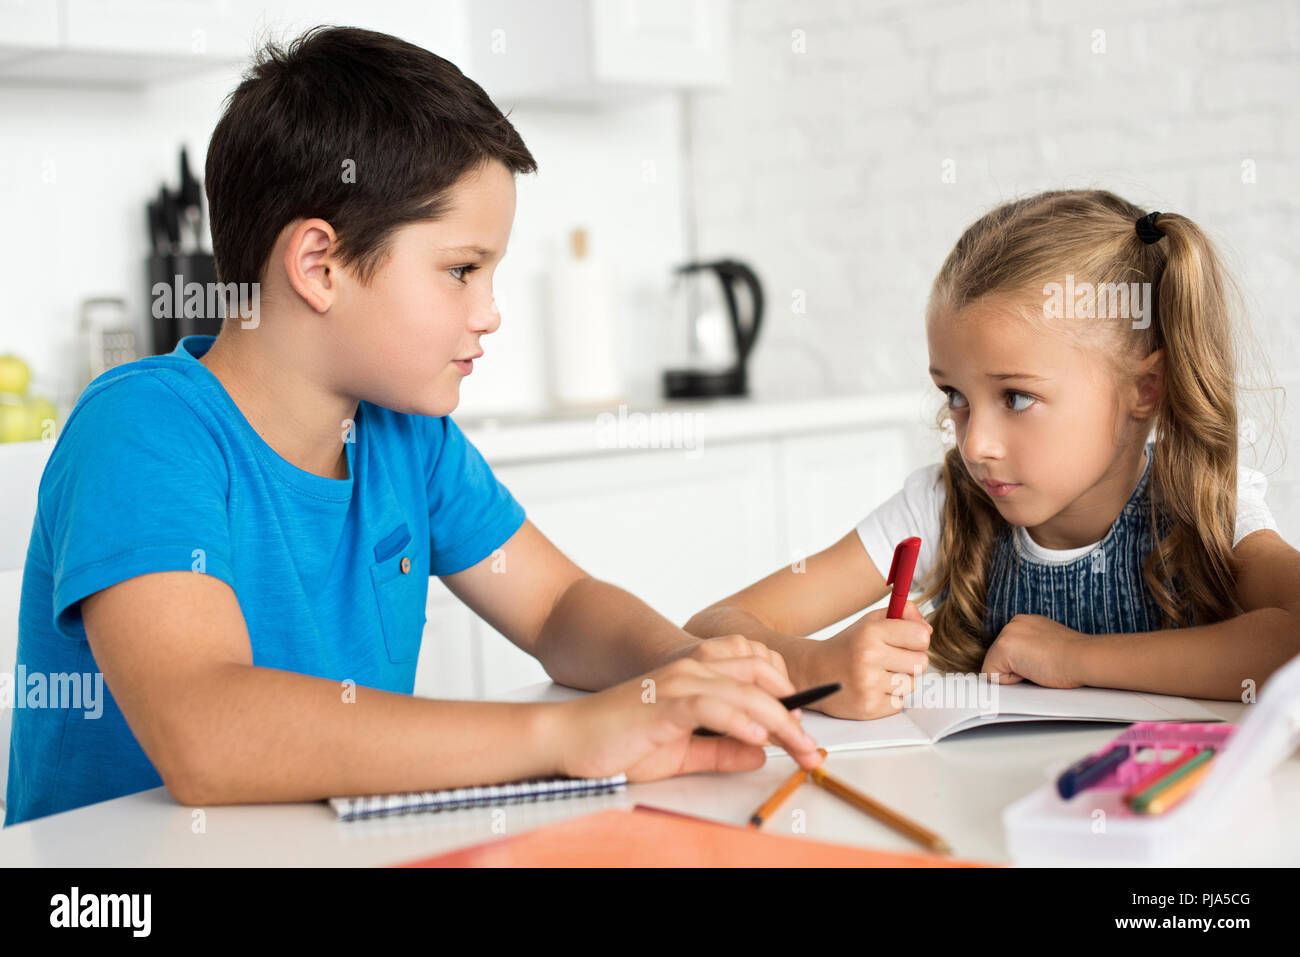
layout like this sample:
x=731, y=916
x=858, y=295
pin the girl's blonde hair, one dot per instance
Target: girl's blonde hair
x=1012, y=253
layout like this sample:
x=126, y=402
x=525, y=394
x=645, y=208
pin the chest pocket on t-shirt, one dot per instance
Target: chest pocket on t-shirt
x=401, y=590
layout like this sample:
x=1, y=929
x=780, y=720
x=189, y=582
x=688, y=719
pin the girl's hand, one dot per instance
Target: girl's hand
x=1034, y=648
x=876, y=659
x=644, y=727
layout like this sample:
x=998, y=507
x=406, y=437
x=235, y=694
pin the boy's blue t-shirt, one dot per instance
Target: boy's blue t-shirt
x=157, y=470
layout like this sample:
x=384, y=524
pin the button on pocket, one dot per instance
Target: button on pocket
x=400, y=595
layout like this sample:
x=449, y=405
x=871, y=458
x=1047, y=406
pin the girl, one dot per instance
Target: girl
x=1061, y=544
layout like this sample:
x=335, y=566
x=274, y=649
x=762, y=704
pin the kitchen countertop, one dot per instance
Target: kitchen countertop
x=957, y=787
x=705, y=422
x=581, y=432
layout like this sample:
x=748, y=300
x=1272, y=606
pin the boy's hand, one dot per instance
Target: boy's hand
x=876, y=659
x=644, y=727
x=738, y=646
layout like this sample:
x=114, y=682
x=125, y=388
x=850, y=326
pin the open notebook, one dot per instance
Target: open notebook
x=1001, y=704
x=920, y=723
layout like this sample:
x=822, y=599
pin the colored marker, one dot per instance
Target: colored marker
x=1088, y=771
x=1143, y=801
x=1179, y=789
x=900, y=574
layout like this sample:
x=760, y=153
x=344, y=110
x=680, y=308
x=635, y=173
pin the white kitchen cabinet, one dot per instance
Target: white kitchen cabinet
x=681, y=528
x=659, y=42
x=675, y=530
x=447, y=666
x=437, y=25
x=132, y=42
x=830, y=482
x=27, y=25
x=597, y=50
x=553, y=52
x=166, y=28
x=123, y=42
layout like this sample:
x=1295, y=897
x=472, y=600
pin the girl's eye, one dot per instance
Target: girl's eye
x=957, y=401
x=1013, y=395
x=460, y=272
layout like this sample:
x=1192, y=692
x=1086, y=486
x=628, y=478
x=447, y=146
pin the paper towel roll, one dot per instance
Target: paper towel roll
x=584, y=368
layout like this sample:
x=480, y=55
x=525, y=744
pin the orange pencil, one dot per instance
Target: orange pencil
x=768, y=807
x=877, y=810
x=1175, y=792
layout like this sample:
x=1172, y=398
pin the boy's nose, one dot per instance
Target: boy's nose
x=487, y=318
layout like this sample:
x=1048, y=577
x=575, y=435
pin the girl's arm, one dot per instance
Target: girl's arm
x=874, y=659
x=1221, y=661
x=1213, y=661
x=586, y=633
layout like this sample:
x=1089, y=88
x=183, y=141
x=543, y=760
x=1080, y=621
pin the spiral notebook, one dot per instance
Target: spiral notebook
x=537, y=789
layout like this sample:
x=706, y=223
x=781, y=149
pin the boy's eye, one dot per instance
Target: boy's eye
x=460, y=272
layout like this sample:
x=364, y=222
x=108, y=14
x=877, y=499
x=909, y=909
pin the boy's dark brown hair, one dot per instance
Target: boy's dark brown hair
x=410, y=123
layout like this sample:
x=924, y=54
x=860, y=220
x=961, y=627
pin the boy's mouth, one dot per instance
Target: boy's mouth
x=466, y=366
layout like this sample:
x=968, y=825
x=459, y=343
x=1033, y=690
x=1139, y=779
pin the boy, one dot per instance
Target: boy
x=238, y=535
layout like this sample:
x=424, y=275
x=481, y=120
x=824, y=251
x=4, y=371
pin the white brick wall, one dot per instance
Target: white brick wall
x=823, y=167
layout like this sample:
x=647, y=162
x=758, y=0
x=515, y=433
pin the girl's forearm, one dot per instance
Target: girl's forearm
x=1219, y=661
x=598, y=635
x=718, y=620
x=253, y=734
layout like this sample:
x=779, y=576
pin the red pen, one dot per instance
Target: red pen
x=900, y=574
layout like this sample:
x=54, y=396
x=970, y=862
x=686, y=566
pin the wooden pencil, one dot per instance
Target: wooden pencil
x=877, y=810
x=768, y=807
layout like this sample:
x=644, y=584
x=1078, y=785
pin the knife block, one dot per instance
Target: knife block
x=175, y=313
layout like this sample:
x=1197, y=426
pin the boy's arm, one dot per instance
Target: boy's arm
x=175, y=653
x=1209, y=661
x=587, y=633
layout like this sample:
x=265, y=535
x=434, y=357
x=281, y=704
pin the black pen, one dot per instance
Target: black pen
x=796, y=700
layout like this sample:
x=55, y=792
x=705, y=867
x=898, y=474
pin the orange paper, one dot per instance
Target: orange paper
x=637, y=838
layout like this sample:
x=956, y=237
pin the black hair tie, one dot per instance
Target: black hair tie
x=1147, y=230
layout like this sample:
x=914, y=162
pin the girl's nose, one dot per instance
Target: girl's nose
x=982, y=440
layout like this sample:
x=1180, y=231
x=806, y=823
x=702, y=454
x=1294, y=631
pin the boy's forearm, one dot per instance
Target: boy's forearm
x=1208, y=661
x=720, y=620
x=599, y=635
x=255, y=734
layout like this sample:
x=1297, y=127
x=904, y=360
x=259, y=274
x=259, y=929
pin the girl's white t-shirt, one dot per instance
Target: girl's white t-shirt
x=917, y=509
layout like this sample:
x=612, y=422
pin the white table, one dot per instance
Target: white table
x=957, y=788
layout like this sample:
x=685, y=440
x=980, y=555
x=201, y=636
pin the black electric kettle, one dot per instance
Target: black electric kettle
x=721, y=303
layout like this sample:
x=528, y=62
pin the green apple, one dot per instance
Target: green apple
x=14, y=374
x=40, y=411
x=13, y=419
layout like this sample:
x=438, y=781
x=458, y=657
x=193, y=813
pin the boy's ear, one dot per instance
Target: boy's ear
x=310, y=265
x=1150, y=385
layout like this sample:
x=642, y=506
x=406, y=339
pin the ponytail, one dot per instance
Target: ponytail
x=1195, y=466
